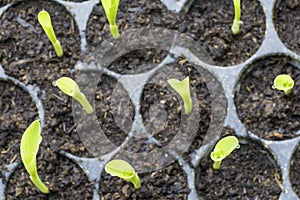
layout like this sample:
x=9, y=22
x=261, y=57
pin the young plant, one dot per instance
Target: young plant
x=183, y=89
x=30, y=142
x=124, y=170
x=235, y=28
x=283, y=82
x=70, y=88
x=223, y=148
x=111, y=9
x=45, y=21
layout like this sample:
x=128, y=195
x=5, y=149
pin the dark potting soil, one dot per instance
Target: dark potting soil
x=208, y=23
x=16, y=114
x=248, y=173
x=294, y=171
x=286, y=20
x=27, y=54
x=167, y=183
x=267, y=112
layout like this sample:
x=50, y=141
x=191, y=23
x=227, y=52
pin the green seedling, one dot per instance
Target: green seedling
x=183, y=89
x=124, y=170
x=30, y=142
x=235, y=28
x=70, y=88
x=223, y=148
x=45, y=21
x=111, y=9
x=283, y=82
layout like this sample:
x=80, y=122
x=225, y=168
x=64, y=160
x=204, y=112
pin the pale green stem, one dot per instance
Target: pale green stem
x=83, y=101
x=287, y=92
x=114, y=31
x=217, y=164
x=188, y=105
x=58, y=48
x=39, y=184
x=136, y=181
x=237, y=15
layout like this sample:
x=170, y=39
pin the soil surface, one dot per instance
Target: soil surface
x=27, y=54
x=267, y=112
x=167, y=183
x=208, y=23
x=287, y=23
x=247, y=173
x=294, y=171
x=16, y=114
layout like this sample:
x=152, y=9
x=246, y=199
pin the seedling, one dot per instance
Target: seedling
x=45, y=21
x=111, y=9
x=283, y=82
x=70, y=88
x=124, y=170
x=223, y=148
x=183, y=89
x=235, y=28
x=30, y=142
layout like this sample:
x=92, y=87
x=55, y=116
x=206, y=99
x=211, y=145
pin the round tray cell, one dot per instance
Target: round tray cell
x=26, y=52
x=16, y=115
x=210, y=23
x=114, y=109
x=162, y=108
x=287, y=24
x=64, y=179
x=167, y=183
x=247, y=173
x=266, y=112
x=294, y=171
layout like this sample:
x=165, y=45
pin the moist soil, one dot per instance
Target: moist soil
x=287, y=23
x=167, y=183
x=294, y=171
x=207, y=22
x=249, y=172
x=267, y=112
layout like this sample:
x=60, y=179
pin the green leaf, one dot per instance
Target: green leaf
x=283, y=82
x=183, y=89
x=29, y=147
x=224, y=147
x=124, y=170
x=71, y=88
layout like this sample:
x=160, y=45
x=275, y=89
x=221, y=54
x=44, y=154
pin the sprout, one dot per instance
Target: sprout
x=30, y=142
x=45, y=21
x=283, y=82
x=235, y=28
x=223, y=148
x=111, y=9
x=124, y=170
x=183, y=89
x=70, y=88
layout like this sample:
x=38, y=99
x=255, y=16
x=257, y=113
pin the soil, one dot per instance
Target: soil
x=27, y=54
x=294, y=171
x=287, y=24
x=267, y=112
x=247, y=173
x=208, y=23
x=167, y=183
x=16, y=114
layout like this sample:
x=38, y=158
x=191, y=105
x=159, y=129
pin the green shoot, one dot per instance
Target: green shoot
x=235, y=28
x=183, y=89
x=45, y=21
x=283, y=82
x=111, y=9
x=30, y=142
x=70, y=88
x=124, y=170
x=223, y=148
